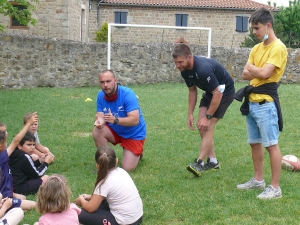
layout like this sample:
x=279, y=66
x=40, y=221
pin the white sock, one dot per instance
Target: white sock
x=259, y=181
x=213, y=160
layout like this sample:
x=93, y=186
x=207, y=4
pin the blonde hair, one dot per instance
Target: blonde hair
x=53, y=195
x=27, y=117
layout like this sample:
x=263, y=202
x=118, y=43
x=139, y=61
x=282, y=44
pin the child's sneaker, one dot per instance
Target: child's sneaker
x=196, y=168
x=211, y=165
x=270, y=192
x=251, y=184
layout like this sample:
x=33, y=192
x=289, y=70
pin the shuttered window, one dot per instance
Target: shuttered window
x=241, y=24
x=121, y=17
x=181, y=20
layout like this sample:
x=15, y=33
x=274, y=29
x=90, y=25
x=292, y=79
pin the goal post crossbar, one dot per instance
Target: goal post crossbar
x=110, y=25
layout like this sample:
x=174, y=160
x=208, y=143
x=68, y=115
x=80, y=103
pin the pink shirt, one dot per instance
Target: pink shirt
x=69, y=217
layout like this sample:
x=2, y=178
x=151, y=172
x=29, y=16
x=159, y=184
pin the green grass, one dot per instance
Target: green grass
x=171, y=195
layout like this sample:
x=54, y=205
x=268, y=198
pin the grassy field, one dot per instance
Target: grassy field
x=171, y=195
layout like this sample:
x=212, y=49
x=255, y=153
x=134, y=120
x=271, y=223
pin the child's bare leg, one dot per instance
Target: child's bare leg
x=19, y=196
x=27, y=204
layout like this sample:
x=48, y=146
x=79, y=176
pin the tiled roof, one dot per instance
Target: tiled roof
x=221, y=4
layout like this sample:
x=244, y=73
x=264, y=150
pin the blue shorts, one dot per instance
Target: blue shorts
x=262, y=124
x=16, y=202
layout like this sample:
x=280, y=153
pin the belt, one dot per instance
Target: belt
x=262, y=102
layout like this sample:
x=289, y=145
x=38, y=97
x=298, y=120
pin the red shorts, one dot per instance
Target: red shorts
x=135, y=146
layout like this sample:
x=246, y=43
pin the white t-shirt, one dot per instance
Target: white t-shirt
x=37, y=140
x=122, y=196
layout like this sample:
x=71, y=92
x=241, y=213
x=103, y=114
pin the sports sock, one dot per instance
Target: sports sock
x=213, y=160
x=261, y=181
x=200, y=161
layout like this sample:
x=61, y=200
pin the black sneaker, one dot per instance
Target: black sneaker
x=196, y=168
x=210, y=165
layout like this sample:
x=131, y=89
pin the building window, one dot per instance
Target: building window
x=14, y=23
x=241, y=24
x=181, y=20
x=121, y=17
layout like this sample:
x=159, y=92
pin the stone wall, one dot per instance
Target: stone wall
x=27, y=62
x=222, y=23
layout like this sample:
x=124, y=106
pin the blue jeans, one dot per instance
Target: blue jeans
x=262, y=124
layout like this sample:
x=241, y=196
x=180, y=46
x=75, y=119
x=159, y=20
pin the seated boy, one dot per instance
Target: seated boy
x=28, y=175
x=6, y=188
x=9, y=216
x=42, y=151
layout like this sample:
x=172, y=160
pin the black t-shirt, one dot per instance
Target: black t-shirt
x=207, y=74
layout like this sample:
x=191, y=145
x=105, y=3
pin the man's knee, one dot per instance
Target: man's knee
x=130, y=161
x=129, y=167
x=96, y=132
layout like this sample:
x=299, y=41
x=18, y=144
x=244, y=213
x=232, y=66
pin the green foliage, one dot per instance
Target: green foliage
x=288, y=20
x=23, y=16
x=249, y=41
x=102, y=34
x=286, y=27
x=171, y=195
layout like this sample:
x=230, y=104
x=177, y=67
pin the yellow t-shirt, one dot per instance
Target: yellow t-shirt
x=275, y=54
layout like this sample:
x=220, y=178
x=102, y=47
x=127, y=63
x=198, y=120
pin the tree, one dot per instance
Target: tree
x=250, y=40
x=22, y=14
x=102, y=34
x=288, y=19
x=286, y=27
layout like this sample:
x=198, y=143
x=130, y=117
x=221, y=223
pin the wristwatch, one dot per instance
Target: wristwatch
x=116, y=121
x=208, y=116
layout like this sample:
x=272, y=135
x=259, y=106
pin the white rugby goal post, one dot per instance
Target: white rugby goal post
x=110, y=25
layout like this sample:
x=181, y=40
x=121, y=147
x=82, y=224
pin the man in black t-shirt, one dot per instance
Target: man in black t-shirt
x=210, y=76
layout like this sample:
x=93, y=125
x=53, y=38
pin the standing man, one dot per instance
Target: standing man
x=119, y=119
x=211, y=77
x=265, y=67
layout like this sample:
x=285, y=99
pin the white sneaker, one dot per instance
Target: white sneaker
x=251, y=184
x=270, y=192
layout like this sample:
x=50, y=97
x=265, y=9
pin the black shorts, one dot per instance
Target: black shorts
x=224, y=104
x=30, y=187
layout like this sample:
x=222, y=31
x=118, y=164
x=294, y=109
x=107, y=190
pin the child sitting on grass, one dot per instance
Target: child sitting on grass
x=9, y=216
x=116, y=199
x=41, y=151
x=28, y=175
x=15, y=195
x=53, y=201
x=6, y=188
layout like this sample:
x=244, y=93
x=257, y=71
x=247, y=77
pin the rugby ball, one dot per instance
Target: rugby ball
x=290, y=162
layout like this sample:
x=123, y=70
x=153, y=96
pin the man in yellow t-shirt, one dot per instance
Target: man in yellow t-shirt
x=264, y=69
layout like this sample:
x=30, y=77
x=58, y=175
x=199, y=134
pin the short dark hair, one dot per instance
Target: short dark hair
x=27, y=137
x=108, y=71
x=261, y=15
x=181, y=49
x=2, y=136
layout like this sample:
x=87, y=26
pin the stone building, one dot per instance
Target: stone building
x=60, y=19
x=78, y=20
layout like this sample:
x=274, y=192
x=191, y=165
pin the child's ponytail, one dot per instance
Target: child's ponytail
x=105, y=158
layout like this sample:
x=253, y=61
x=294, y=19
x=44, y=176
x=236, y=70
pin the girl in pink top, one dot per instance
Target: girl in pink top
x=53, y=201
